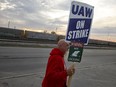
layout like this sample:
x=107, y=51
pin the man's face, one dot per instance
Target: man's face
x=65, y=47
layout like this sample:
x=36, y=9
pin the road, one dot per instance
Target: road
x=26, y=67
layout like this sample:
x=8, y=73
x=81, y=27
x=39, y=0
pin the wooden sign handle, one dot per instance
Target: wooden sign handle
x=70, y=77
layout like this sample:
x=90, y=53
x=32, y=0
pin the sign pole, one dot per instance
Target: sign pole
x=70, y=77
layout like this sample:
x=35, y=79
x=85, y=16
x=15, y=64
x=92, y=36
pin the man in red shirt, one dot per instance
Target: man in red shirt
x=56, y=72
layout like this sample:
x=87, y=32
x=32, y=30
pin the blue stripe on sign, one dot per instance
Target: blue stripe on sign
x=78, y=30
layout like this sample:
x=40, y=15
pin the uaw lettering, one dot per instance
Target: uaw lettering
x=80, y=20
x=81, y=10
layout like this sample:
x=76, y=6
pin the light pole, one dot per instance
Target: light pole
x=8, y=24
x=108, y=38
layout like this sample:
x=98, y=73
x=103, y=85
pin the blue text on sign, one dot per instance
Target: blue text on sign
x=81, y=11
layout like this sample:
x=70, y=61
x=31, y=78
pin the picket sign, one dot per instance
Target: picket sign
x=78, y=31
x=80, y=20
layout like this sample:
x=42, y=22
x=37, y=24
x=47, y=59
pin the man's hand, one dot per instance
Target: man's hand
x=70, y=71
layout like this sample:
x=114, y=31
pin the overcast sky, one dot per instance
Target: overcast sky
x=53, y=15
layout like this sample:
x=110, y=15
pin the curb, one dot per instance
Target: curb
x=18, y=76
